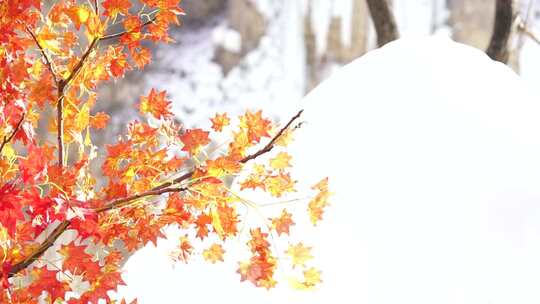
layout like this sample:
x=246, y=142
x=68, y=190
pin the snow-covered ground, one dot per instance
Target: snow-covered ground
x=431, y=149
x=432, y=152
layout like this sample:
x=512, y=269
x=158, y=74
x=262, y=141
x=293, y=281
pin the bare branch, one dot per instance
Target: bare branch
x=502, y=27
x=383, y=20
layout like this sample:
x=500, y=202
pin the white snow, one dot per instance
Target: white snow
x=270, y=77
x=433, y=153
x=228, y=38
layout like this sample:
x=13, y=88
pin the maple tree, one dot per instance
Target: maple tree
x=157, y=174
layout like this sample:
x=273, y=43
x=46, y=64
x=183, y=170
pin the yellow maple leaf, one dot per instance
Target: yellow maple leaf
x=281, y=161
x=300, y=254
x=214, y=253
x=312, y=277
x=285, y=138
x=279, y=184
x=222, y=166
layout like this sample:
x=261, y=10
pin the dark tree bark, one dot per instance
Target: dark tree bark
x=384, y=21
x=502, y=27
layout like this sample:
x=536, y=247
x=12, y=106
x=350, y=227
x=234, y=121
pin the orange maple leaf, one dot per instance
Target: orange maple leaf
x=156, y=104
x=115, y=7
x=220, y=121
x=99, y=121
x=255, y=125
x=141, y=56
x=79, y=14
x=283, y=223
x=185, y=249
x=194, y=139
x=201, y=223
x=222, y=166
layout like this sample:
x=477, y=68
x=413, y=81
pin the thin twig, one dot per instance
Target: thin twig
x=118, y=203
x=528, y=32
x=48, y=62
x=120, y=34
x=525, y=24
x=10, y=137
x=60, y=127
x=270, y=144
x=65, y=82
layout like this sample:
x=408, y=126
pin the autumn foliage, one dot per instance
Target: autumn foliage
x=157, y=174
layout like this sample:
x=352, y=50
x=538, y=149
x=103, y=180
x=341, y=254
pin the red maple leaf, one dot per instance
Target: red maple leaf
x=156, y=104
x=34, y=166
x=10, y=209
x=47, y=280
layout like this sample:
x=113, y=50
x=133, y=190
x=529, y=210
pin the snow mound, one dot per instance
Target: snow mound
x=433, y=151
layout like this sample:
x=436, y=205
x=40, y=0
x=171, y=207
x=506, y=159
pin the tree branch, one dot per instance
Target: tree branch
x=502, y=27
x=79, y=65
x=120, y=34
x=10, y=137
x=524, y=29
x=383, y=20
x=49, y=241
x=118, y=203
x=60, y=127
x=262, y=151
x=48, y=62
x=62, y=84
x=270, y=144
x=163, y=188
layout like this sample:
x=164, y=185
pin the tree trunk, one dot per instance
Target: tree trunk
x=383, y=20
x=472, y=21
x=502, y=27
